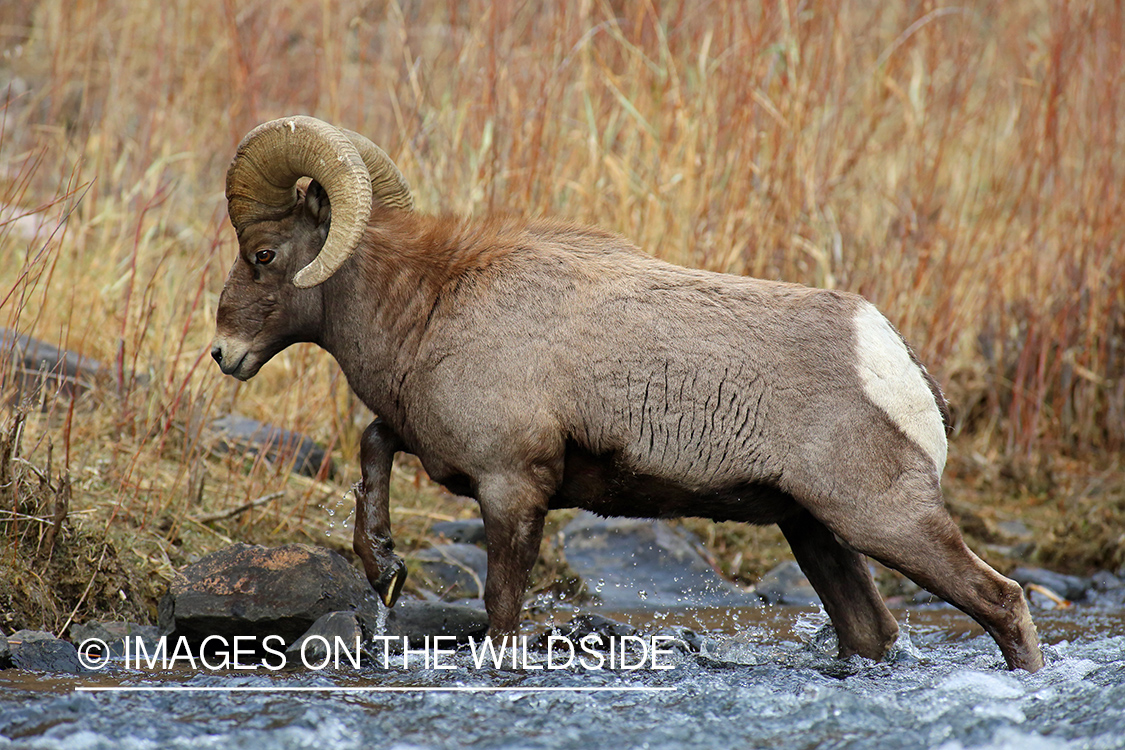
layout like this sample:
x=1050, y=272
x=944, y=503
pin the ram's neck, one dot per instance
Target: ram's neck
x=377, y=306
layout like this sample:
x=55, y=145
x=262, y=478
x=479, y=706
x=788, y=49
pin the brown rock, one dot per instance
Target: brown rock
x=258, y=591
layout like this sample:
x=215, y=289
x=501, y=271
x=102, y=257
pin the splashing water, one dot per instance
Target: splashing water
x=768, y=684
x=348, y=497
x=381, y=617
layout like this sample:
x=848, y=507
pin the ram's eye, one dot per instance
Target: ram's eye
x=264, y=256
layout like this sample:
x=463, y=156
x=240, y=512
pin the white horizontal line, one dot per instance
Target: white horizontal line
x=407, y=689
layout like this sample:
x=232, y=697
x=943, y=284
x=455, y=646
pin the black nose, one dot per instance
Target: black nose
x=217, y=355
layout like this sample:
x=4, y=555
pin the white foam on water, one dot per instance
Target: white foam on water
x=983, y=685
x=1013, y=739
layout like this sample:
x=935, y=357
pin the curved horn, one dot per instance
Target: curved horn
x=262, y=178
x=387, y=183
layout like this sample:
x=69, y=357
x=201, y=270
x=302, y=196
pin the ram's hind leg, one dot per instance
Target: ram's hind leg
x=941, y=563
x=907, y=528
x=841, y=578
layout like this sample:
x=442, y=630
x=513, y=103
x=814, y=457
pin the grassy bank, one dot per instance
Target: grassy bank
x=962, y=167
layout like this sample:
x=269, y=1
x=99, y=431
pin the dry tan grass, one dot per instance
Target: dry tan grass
x=961, y=166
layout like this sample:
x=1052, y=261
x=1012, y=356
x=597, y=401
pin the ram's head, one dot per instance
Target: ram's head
x=291, y=239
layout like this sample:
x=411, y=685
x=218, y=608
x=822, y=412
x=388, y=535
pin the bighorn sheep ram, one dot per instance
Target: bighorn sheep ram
x=536, y=364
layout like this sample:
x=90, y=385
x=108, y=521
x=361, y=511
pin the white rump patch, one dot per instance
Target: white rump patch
x=896, y=385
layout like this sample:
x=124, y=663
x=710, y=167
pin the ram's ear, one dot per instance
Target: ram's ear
x=316, y=204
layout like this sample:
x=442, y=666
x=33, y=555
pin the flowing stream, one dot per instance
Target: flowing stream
x=760, y=678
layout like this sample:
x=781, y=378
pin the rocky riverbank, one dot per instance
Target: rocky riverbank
x=298, y=593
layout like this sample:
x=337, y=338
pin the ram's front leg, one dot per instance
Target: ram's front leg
x=372, y=541
x=513, y=510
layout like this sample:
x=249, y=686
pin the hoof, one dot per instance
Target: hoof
x=389, y=585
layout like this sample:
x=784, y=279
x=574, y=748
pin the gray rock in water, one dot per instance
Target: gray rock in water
x=278, y=444
x=1108, y=589
x=1068, y=587
x=416, y=620
x=113, y=634
x=37, y=651
x=1103, y=580
x=683, y=639
x=786, y=584
x=636, y=564
x=319, y=641
x=456, y=571
x=470, y=531
x=5, y=652
x=410, y=619
x=594, y=624
x=258, y=591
